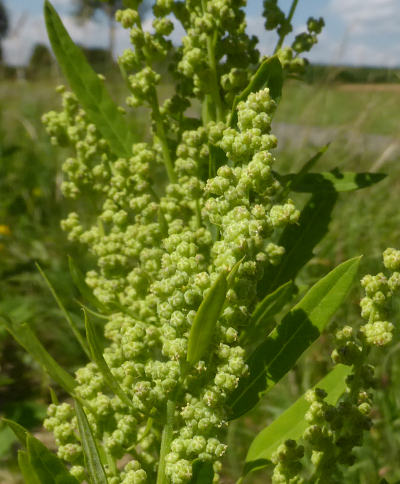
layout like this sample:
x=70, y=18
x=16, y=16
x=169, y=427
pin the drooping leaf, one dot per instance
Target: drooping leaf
x=93, y=463
x=266, y=309
x=27, y=471
x=274, y=357
x=203, y=472
x=291, y=424
x=299, y=241
x=65, y=313
x=203, y=327
x=23, y=334
x=331, y=181
x=48, y=467
x=97, y=356
x=270, y=75
x=87, y=86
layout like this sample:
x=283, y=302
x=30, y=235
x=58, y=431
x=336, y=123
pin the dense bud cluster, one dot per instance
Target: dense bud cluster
x=159, y=249
x=334, y=430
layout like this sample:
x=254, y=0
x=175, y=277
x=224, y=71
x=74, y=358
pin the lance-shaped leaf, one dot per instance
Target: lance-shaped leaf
x=65, y=313
x=47, y=466
x=87, y=86
x=93, y=462
x=79, y=281
x=291, y=424
x=331, y=181
x=296, y=178
x=27, y=471
x=269, y=74
x=97, y=356
x=23, y=334
x=266, y=309
x=203, y=472
x=203, y=327
x=273, y=358
x=299, y=241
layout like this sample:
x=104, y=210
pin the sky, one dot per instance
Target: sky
x=357, y=32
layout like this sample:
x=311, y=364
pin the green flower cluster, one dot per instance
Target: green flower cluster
x=275, y=19
x=334, y=430
x=159, y=249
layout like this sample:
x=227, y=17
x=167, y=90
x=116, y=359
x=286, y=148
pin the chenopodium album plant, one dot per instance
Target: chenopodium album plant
x=191, y=273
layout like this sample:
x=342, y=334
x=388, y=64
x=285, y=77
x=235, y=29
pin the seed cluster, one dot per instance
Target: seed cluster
x=159, y=248
x=334, y=430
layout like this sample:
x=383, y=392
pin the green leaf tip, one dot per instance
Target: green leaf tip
x=86, y=85
x=301, y=326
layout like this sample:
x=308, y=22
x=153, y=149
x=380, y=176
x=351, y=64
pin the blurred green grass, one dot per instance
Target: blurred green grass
x=362, y=123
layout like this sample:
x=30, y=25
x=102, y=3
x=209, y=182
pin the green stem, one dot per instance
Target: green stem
x=215, y=94
x=288, y=20
x=166, y=440
x=163, y=138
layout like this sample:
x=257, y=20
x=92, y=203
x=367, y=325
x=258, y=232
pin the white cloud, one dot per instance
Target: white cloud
x=368, y=16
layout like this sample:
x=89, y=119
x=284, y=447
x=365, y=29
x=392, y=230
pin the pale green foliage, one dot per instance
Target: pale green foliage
x=335, y=430
x=222, y=206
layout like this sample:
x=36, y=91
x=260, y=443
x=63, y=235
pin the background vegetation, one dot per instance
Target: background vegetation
x=353, y=108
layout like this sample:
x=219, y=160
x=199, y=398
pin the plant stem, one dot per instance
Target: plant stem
x=162, y=137
x=288, y=20
x=166, y=440
x=211, y=41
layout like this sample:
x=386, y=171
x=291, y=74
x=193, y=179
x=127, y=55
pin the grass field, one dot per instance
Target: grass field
x=362, y=124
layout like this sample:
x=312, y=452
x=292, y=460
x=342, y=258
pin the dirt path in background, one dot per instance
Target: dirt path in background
x=369, y=87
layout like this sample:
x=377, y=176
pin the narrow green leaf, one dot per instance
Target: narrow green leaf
x=266, y=309
x=48, y=467
x=87, y=86
x=65, y=313
x=269, y=74
x=203, y=472
x=297, y=178
x=23, y=334
x=291, y=424
x=90, y=450
x=20, y=432
x=273, y=358
x=203, y=327
x=27, y=471
x=97, y=356
x=79, y=281
x=331, y=181
x=299, y=241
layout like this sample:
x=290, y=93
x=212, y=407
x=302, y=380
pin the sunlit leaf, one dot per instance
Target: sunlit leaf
x=274, y=357
x=291, y=424
x=87, y=86
x=270, y=75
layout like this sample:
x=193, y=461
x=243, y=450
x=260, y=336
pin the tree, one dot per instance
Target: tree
x=86, y=9
x=4, y=25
